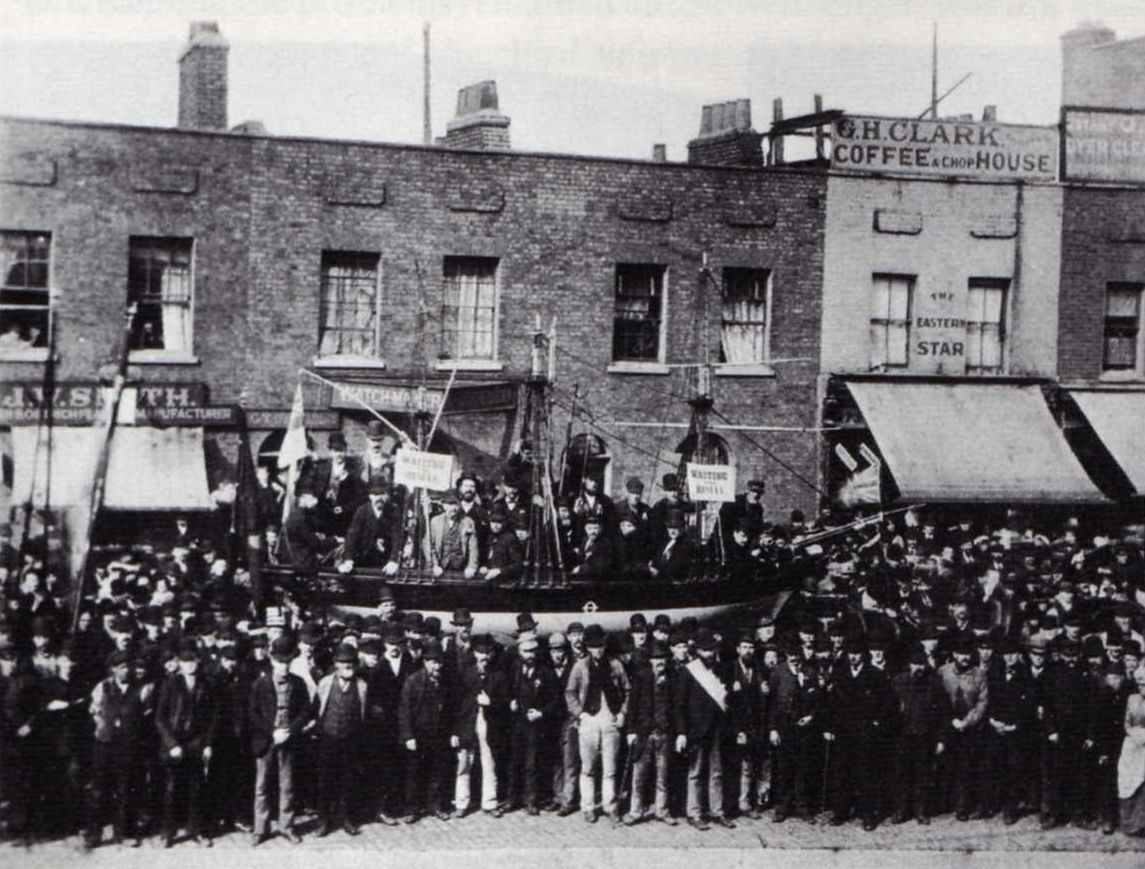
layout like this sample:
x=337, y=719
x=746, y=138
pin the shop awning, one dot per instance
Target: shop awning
x=972, y=442
x=1118, y=418
x=148, y=469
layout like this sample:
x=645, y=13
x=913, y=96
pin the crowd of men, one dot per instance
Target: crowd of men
x=986, y=665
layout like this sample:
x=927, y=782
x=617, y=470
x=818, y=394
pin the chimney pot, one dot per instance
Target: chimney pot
x=479, y=123
x=660, y=153
x=726, y=136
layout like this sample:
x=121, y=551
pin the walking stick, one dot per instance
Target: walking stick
x=826, y=769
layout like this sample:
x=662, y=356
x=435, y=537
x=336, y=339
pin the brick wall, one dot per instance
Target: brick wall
x=1103, y=240
x=203, y=87
x=263, y=209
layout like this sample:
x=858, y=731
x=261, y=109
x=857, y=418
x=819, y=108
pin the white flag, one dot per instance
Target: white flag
x=293, y=448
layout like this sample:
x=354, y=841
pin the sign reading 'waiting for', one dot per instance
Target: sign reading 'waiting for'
x=972, y=149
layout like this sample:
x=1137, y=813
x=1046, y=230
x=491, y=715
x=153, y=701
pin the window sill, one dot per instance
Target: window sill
x=1121, y=377
x=161, y=357
x=469, y=365
x=639, y=368
x=348, y=362
x=756, y=370
x=30, y=354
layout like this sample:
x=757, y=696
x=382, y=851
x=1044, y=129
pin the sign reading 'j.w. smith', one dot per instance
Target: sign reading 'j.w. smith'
x=944, y=148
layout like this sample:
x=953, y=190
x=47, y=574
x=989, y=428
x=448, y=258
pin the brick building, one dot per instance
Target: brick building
x=387, y=267
x=941, y=317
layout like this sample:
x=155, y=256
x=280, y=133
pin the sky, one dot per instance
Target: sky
x=579, y=76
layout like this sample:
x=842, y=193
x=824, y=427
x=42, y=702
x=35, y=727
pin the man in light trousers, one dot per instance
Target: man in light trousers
x=597, y=695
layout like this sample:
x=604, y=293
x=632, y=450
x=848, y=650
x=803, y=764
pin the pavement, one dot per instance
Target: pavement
x=517, y=839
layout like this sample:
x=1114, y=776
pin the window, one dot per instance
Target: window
x=348, y=306
x=637, y=316
x=985, y=325
x=159, y=283
x=469, y=308
x=744, y=318
x=890, y=320
x=25, y=300
x=1123, y=351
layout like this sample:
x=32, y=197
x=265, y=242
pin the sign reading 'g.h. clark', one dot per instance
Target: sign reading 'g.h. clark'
x=972, y=149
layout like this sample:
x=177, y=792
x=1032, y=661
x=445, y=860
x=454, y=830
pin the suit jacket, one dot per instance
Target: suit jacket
x=341, y=498
x=748, y=699
x=263, y=706
x=924, y=709
x=641, y=703
x=327, y=685
x=385, y=690
x=434, y=544
x=678, y=561
x=595, y=561
x=419, y=717
x=301, y=538
x=697, y=714
x=788, y=701
x=468, y=684
x=541, y=692
x=862, y=705
x=185, y=718
x=368, y=532
x=505, y=553
x=1012, y=702
x=576, y=691
x=968, y=693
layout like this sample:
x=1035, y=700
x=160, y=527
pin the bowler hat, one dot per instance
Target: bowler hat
x=634, y=485
x=855, y=645
x=188, y=650
x=370, y=647
x=918, y=656
x=385, y=594
x=659, y=650
x=675, y=519
x=526, y=622
x=638, y=624
x=375, y=431
x=662, y=622
x=575, y=628
x=392, y=633
x=336, y=441
x=499, y=513
x=346, y=654
x=670, y=482
x=432, y=651
x=378, y=486
x=594, y=636
x=118, y=658
x=484, y=643
x=705, y=639
x=283, y=649
x=462, y=618
x=756, y=485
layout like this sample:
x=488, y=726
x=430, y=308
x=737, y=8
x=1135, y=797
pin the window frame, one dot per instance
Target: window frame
x=162, y=355
x=652, y=364
x=35, y=352
x=983, y=283
x=449, y=358
x=331, y=258
x=1137, y=370
x=759, y=367
x=887, y=322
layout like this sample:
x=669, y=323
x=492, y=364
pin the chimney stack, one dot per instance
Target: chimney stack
x=726, y=136
x=203, y=78
x=479, y=124
x=660, y=153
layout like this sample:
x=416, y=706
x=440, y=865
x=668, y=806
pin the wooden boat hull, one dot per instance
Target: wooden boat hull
x=608, y=603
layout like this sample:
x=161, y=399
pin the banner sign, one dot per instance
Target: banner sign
x=77, y=403
x=973, y=149
x=314, y=420
x=1103, y=145
x=711, y=482
x=421, y=470
x=402, y=398
x=163, y=416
